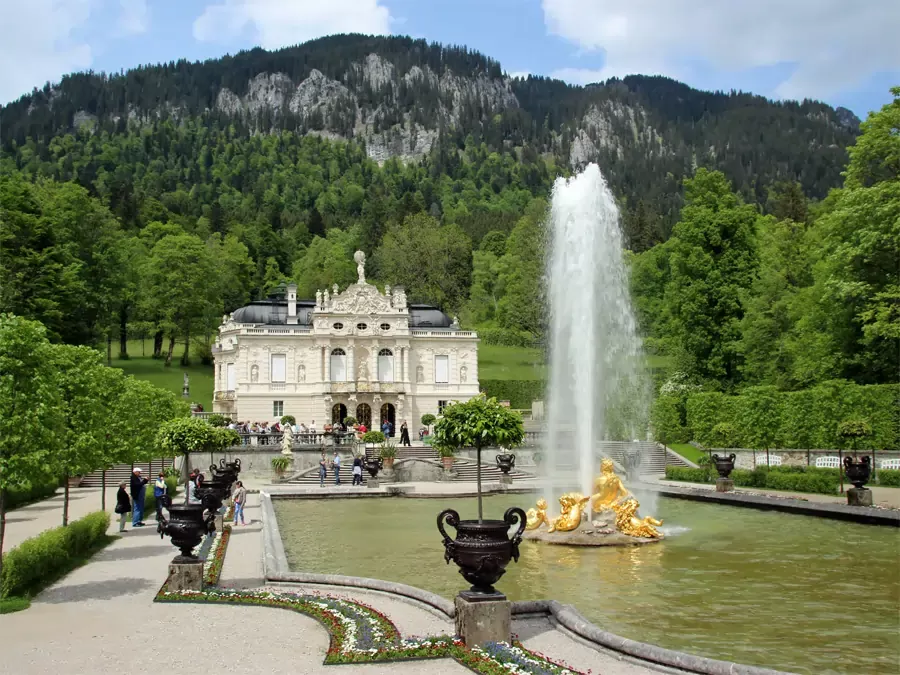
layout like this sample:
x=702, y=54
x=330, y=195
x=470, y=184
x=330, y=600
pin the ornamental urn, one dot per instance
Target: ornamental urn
x=482, y=550
x=373, y=465
x=724, y=465
x=859, y=472
x=506, y=462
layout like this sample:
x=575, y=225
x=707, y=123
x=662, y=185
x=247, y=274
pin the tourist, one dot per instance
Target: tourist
x=138, y=491
x=239, y=498
x=357, y=470
x=194, y=489
x=312, y=427
x=361, y=429
x=159, y=493
x=336, y=463
x=123, y=505
x=323, y=470
x=386, y=428
x=404, y=434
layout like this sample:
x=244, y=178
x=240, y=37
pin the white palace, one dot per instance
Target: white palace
x=359, y=352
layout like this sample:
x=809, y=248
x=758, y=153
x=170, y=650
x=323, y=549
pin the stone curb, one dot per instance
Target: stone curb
x=858, y=514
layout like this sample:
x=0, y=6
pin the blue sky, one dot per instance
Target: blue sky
x=839, y=52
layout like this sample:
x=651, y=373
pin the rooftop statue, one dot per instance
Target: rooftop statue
x=360, y=259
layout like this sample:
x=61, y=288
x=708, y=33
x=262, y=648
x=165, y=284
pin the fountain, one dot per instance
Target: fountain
x=598, y=389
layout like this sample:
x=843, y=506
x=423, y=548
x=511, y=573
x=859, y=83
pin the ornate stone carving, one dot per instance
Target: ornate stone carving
x=463, y=374
x=254, y=373
x=301, y=373
x=360, y=259
x=361, y=299
x=420, y=374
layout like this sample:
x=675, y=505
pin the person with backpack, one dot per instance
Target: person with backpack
x=160, y=490
x=123, y=505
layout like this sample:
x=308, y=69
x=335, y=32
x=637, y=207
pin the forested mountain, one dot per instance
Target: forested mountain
x=413, y=100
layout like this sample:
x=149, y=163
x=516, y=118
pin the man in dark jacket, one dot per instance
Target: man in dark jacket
x=138, y=490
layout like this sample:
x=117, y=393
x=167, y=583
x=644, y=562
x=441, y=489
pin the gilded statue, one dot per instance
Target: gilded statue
x=608, y=487
x=628, y=523
x=571, y=507
x=537, y=516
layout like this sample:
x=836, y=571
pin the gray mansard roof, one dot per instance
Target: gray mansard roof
x=274, y=312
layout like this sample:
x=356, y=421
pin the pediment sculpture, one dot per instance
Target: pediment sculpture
x=361, y=299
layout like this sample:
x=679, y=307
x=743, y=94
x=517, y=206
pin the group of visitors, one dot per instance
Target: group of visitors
x=335, y=465
x=135, y=504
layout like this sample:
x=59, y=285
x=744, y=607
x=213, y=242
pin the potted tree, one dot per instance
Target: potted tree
x=447, y=454
x=482, y=549
x=280, y=465
x=388, y=453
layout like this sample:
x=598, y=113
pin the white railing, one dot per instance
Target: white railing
x=276, y=386
x=297, y=330
x=444, y=333
x=206, y=415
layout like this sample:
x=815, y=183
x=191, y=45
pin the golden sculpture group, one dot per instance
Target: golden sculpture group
x=610, y=494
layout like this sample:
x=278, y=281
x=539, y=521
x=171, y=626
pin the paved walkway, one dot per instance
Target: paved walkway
x=882, y=496
x=102, y=619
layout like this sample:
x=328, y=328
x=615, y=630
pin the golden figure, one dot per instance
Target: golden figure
x=571, y=506
x=628, y=523
x=608, y=487
x=536, y=517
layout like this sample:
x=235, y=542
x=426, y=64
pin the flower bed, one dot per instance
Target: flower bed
x=215, y=557
x=362, y=634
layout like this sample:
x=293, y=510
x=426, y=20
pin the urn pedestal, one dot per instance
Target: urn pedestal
x=482, y=618
x=724, y=485
x=505, y=480
x=859, y=497
x=186, y=576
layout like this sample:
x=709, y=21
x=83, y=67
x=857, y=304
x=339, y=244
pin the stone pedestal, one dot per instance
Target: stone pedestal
x=482, y=618
x=186, y=576
x=372, y=483
x=859, y=497
x=505, y=479
x=220, y=522
x=724, y=485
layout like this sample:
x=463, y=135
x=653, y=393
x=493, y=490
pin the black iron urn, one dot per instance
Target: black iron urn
x=482, y=550
x=724, y=465
x=373, y=465
x=187, y=525
x=506, y=462
x=859, y=472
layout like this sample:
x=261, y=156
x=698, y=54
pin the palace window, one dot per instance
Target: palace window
x=361, y=326
x=279, y=367
x=441, y=406
x=385, y=326
x=385, y=365
x=277, y=409
x=441, y=369
x=338, y=365
x=338, y=326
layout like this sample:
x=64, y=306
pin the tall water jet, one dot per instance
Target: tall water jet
x=597, y=385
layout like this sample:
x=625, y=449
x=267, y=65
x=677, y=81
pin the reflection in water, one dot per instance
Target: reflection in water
x=754, y=587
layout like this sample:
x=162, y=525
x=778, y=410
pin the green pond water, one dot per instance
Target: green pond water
x=790, y=592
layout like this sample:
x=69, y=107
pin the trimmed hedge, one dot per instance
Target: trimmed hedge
x=519, y=393
x=37, y=562
x=505, y=337
x=791, y=478
x=34, y=493
x=888, y=477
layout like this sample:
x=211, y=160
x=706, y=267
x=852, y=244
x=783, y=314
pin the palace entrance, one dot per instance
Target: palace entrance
x=364, y=415
x=387, y=413
x=338, y=413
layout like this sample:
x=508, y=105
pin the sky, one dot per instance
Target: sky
x=843, y=53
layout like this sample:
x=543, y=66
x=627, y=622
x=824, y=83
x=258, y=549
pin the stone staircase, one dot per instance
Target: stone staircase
x=465, y=470
x=122, y=472
x=654, y=457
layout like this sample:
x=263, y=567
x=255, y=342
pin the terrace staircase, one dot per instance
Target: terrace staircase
x=122, y=472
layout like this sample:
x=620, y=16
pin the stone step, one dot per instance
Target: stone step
x=122, y=472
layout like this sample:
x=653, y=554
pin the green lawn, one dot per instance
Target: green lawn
x=510, y=363
x=688, y=451
x=154, y=371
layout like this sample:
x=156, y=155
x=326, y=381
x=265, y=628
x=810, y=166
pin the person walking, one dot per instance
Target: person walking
x=239, y=498
x=357, y=470
x=138, y=490
x=323, y=470
x=123, y=505
x=160, y=490
x=404, y=434
x=336, y=463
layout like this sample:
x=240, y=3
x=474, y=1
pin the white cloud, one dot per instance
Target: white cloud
x=279, y=23
x=134, y=18
x=38, y=43
x=519, y=73
x=832, y=45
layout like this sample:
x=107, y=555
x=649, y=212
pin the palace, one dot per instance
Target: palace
x=359, y=352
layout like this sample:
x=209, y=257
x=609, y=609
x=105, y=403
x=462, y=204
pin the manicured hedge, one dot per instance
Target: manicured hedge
x=39, y=561
x=34, y=493
x=888, y=477
x=791, y=478
x=519, y=393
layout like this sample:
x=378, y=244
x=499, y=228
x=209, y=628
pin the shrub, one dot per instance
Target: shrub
x=40, y=560
x=217, y=420
x=506, y=337
x=349, y=420
x=688, y=474
x=888, y=477
x=203, y=351
x=428, y=419
x=388, y=450
x=373, y=437
x=34, y=493
x=280, y=463
x=794, y=479
x=519, y=393
x=289, y=419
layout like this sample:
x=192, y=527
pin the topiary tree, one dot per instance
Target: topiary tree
x=289, y=419
x=182, y=437
x=222, y=439
x=375, y=437
x=349, y=421
x=479, y=423
x=428, y=419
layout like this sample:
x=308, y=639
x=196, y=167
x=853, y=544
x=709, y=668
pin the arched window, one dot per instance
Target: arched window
x=338, y=365
x=385, y=365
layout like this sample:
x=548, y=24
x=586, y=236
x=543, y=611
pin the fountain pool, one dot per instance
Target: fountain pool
x=770, y=589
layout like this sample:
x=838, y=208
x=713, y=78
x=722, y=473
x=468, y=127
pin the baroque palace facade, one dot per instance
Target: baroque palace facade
x=359, y=352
